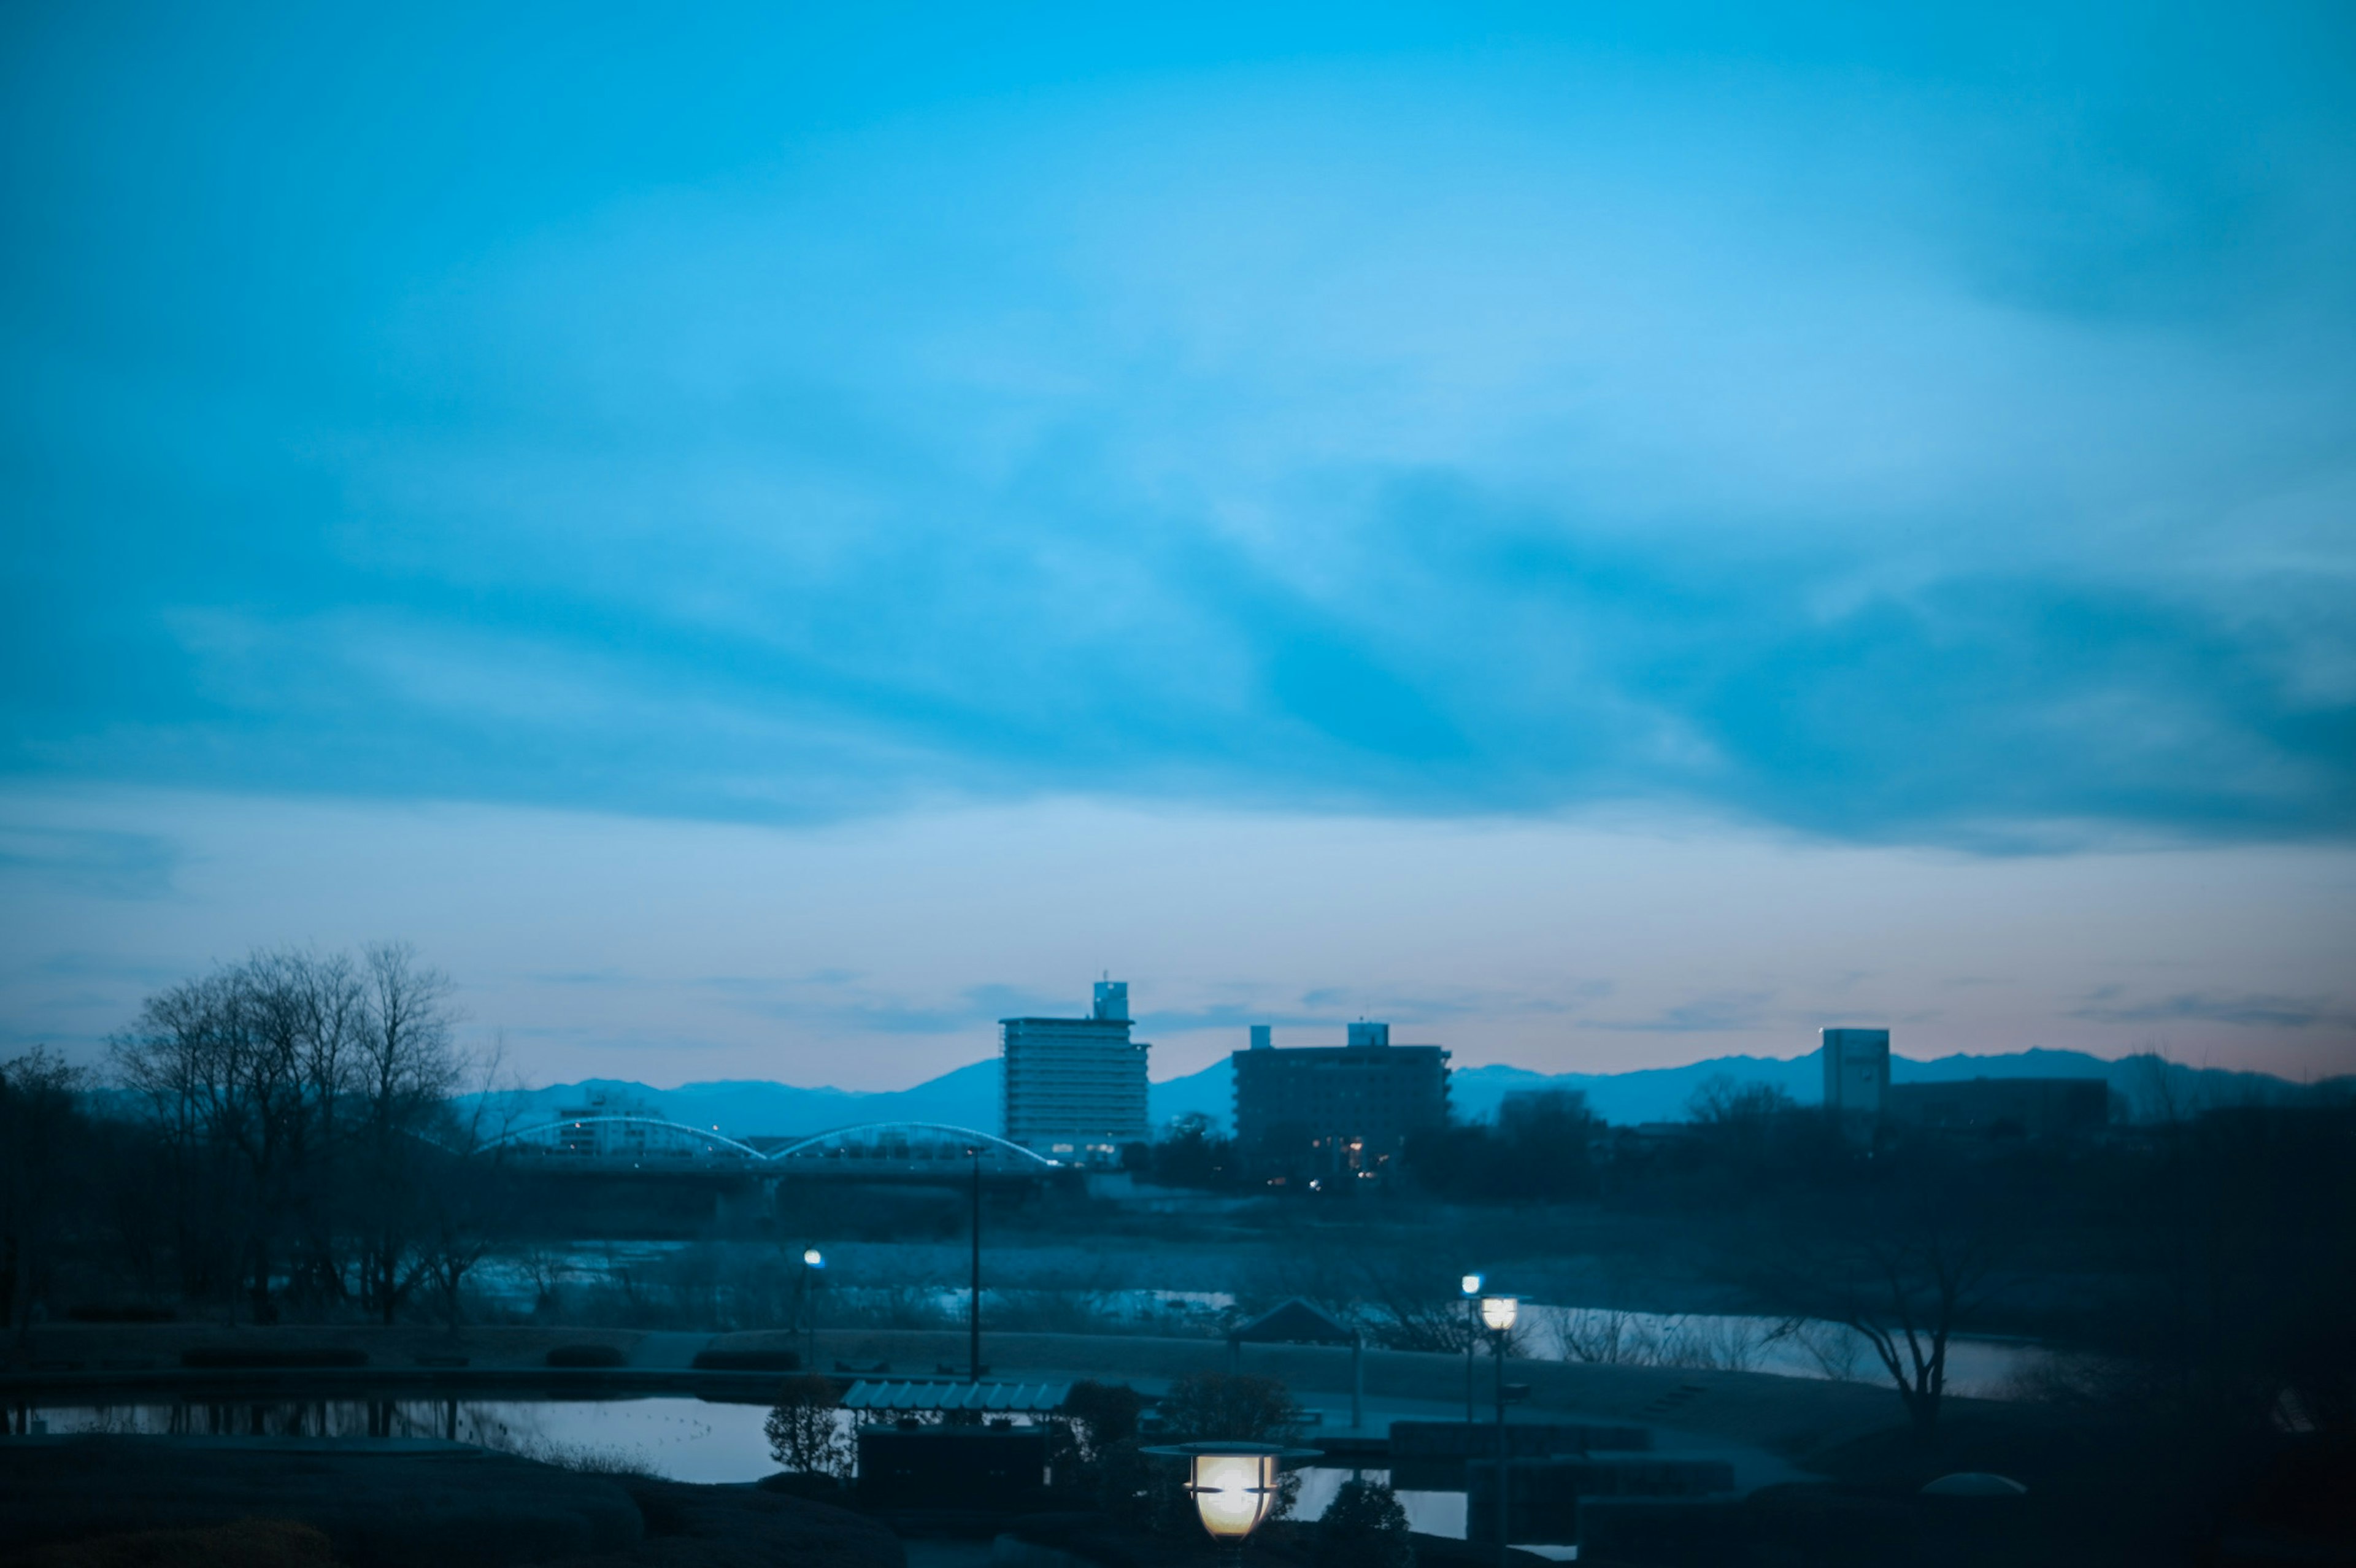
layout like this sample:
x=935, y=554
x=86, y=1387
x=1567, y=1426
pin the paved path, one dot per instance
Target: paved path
x=1790, y=1418
x=1689, y=1410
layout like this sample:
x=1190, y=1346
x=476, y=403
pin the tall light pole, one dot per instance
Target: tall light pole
x=973, y=1305
x=812, y=1261
x=1472, y=1287
x=1498, y=1313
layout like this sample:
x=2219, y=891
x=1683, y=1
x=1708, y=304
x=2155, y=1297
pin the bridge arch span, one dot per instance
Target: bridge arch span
x=905, y=1140
x=596, y=1134
x=904, y=1144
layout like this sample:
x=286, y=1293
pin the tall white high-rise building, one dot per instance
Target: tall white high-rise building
x=1856, y=1077
x=1074, y=1089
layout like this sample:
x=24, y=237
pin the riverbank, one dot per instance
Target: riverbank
x=1791, y=1418
x=2107, y=1491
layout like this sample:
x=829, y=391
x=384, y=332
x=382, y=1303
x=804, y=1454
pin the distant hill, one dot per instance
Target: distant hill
x=1662, y=1094
x=968, y=1097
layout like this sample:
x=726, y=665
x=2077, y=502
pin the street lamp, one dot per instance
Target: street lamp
x=1472, y=1287
x=813, y=1262
x=1497, y=1313
x=1234, y=1486
x=973, y=1302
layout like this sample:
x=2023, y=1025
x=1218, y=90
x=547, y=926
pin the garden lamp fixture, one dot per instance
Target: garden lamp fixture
x=813, y=1258
x=1233, y=1492
x=1472, y=1286
x=1234, y=1486
x=1497, y=1313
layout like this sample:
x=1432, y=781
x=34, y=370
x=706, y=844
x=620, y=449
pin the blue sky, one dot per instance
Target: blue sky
x=1881, y=450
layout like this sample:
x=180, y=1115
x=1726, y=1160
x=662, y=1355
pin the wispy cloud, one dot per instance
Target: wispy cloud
x=2248, y=1011
x=975, y=1010
x=1723, y=1012
x=104, y=967
x=1381, y=429
x=113, y=864
x=603, y=979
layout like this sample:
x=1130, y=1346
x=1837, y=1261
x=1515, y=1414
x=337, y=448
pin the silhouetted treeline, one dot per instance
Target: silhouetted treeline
x=1191, y=1153
x=45, y=1161
x=285, y=1127
x=1539, y=1150
x=286, y=1135
x=2197, y=1266
x=2228, y=1301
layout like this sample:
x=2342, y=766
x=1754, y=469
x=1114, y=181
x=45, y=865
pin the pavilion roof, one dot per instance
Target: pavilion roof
x=1296, y=1322
x=944, y=1393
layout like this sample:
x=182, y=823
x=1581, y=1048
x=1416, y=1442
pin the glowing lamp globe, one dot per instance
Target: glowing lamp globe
x=1498, y=1312
x=813, y=1257
x=1472, y=1285
x=1233, y=1492
x=1234, y=1485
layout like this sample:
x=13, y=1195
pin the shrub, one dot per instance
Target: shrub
x=1206, y=1407
x=1102, y=1414
x=1365, y=1527
x=747, y=1361
x=585, y=1356
x=219, y=1358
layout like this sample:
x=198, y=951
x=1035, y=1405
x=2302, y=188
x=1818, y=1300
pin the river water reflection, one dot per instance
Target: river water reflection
x=684, y=1439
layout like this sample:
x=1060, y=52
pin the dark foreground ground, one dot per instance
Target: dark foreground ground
x=106, y=1501
x=114, y=1502
x=1845, y=1475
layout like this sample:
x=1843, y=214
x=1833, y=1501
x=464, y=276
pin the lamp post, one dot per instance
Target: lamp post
x=1497, y=1313
x=1472, y=1286
x=813, y=1261
x=1234, y=1486
x=973, y=1305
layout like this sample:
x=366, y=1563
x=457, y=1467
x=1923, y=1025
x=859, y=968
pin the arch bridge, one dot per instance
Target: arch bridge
x=872, y=1150
x=917, y=1147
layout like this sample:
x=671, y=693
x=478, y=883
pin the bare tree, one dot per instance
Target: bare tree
x=280, y=1034
x=1721, y=1100
x=1606, y=1336
x=214, y=1058
x=408, y=1068
x=1611, y=1337
x=460, y=1197
x=169, y=1057
x=1904, y=1259
x=1405, y=1303
x=37, y=1138
x=326, y=1007
x=291, y=1092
